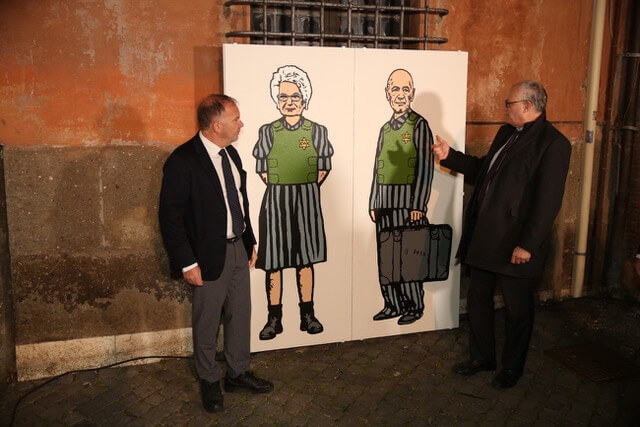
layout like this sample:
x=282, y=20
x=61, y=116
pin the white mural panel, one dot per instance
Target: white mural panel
x=336, y=132
x=439, y=80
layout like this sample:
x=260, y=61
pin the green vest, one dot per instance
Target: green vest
x=293, y=159
x=397, y=159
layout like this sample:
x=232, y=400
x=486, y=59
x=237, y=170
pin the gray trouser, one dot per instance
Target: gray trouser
x=228, y=298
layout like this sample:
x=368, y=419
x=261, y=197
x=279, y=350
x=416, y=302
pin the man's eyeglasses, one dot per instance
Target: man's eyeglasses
x=296, y=97
x=507, y=103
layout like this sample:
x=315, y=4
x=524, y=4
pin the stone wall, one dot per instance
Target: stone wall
x=94, y=96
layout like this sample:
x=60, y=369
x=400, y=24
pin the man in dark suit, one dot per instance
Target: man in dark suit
x=518, y=191
x=208, y=236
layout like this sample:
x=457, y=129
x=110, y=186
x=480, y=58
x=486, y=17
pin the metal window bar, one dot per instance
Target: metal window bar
x=277, y=22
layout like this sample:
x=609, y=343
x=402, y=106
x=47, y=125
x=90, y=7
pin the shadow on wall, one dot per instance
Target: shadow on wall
x=207, y=71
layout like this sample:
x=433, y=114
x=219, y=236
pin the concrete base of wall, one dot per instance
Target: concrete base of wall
x=53, y=358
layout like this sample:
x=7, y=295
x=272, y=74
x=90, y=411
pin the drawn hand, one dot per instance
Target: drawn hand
x=440, y=148
x=416, y=215
x=520, y=256
x=322, y=174
x=193, y=276
x=372, y=214
x=265, y=177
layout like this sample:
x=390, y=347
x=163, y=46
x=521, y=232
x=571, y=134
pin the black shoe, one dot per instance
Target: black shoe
x=310, y=324
x=409, y=318
x=247, y=381
x=211, y=396
x=506, y=378
x=386, y=313
x=472, y=367
x=272, y=328
x=308, y=321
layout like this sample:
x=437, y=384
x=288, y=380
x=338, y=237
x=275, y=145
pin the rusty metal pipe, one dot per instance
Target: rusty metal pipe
x=593, y=80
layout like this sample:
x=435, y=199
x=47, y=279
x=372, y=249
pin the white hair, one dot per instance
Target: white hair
x=291, y=74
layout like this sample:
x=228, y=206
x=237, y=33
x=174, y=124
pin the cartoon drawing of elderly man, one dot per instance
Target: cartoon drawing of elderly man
x=400, y=190
x=293, y=158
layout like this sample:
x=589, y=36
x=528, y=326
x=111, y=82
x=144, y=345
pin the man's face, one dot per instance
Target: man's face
x=400, y=92
x=229, y=124
x=515, y=107
x=290, y=101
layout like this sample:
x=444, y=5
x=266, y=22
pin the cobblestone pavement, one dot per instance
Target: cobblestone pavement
x=398, y=380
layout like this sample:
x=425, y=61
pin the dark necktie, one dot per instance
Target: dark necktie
x=495, y=166
x=232, y=196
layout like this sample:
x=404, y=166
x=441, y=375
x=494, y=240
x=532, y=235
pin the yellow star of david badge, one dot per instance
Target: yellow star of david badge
x=406, y=137
x=304, y=143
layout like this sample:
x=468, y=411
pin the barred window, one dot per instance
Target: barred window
x=394, y=24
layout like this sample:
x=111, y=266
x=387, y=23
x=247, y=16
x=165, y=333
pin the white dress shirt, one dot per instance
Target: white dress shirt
x=214, y=154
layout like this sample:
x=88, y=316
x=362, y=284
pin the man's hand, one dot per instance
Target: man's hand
x=440, y=148
x=254, y=258
x=372, y=214
x=520, y=256
x=264, y=177
x=193, y=276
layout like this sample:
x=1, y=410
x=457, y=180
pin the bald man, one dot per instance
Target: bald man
x=400, y=190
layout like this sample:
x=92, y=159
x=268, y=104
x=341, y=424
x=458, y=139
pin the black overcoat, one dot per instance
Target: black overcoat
x=521, y=202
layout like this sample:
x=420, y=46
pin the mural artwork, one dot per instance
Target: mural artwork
x=293, y=158
x=354, y=221
x=403, y=173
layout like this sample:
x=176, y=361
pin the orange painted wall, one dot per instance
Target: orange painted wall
x=80, y=73
x=77, y=73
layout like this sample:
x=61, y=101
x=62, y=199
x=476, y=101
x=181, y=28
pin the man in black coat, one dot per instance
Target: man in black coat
x=208, y=236
x=518, y=192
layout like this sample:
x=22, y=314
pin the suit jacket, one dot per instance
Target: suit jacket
x=192, y=210
x=521, y=202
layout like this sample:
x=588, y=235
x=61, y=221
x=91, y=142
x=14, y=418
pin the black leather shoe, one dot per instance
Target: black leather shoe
x=472, y=367
x=386, y=313
x=506, y=378
x=247, y=381
x=211, y=396
x=409, y=318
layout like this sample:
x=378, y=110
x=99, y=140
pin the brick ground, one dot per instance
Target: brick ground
x=399, y=380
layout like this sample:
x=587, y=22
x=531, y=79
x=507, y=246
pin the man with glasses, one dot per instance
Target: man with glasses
x=519, y=187
x=293, y=158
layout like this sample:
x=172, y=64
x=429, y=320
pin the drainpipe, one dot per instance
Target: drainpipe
x=593, y=79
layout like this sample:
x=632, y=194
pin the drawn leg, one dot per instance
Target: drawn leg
x=273, y=284
x=388, y=287
x=308, y=321
x=412, y=297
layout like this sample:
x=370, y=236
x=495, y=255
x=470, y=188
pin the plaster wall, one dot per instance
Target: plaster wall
x=94, y=95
